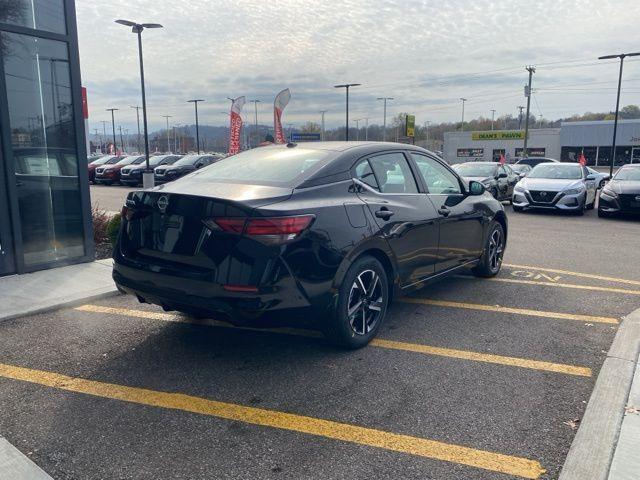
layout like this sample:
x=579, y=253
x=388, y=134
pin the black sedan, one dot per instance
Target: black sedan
x=498, y=179
x=132, y=174
x=180, y=168
x=338, y=227
x=622, y=193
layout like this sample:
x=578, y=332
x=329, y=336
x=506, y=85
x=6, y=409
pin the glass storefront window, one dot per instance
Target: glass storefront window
x=43, y=140
x=572, y=154
x=37, y=14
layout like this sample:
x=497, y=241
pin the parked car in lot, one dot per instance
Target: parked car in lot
x=556, y=186
x=105, y=160
x=622, y=193
x=132, y=174
x=109, y=173
x=498, y=179
x=180, y=168
x=521, y=169
x=601, y=178
x=336, y=227
x=533, y=161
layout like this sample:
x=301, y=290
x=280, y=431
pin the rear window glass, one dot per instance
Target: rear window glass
x=267, y=165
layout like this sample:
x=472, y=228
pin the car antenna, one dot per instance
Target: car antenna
x=291, y=144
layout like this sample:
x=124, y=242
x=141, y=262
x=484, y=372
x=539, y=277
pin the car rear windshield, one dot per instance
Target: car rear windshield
x=556, y=171
x=628, y=174
x=278, y=166
x=475, y=170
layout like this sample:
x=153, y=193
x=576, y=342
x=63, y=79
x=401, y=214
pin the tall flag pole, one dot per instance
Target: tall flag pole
x=235, y=125
x=279, y=104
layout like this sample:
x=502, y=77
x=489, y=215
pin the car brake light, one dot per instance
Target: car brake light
x=240, y=288
x=271, y=229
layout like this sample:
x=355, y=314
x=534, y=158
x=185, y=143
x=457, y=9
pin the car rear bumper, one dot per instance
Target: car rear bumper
x=568, y=203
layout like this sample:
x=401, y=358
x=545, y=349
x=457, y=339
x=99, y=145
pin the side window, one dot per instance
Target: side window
x=393, y=173
x=437, y=177
x=364, y=173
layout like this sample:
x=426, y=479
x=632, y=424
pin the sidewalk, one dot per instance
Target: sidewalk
x=606, y=445
x=55, y=288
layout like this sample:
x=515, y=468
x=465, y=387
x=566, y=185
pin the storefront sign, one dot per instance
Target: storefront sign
x=470, y=152
x=411, y=125
x=533, y=152
x=498, y=135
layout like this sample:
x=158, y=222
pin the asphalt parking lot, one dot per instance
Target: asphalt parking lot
x=469, y=378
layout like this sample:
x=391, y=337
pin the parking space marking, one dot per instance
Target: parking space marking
x=486, y=460
x=575, y=274
x=512, y=310
x=560, y=285
x=376, y=342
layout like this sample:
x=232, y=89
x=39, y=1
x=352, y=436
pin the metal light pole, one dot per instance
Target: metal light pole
x=255, y=105
x=366, y=129
x=346, y=86
x=138, y=119
x=113, y=127
x=462, y=123
x=104, y=133
x=384, y=117
x=493, y=114
x=137, y=28
x=357, y=120
x=322, y=112
x=167, y=117
x=621, y=56
x=195, y=103
x=531, y=71
x=121, y=141
x=426, y=126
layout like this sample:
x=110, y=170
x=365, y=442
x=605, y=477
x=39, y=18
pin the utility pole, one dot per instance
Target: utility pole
x=531, y=71
x=540, y=121
x=346, y=86
x=255, y=105
x=493, y=114
x=621, y=56
x=384, y=117
x=366, y=129
x=462, y=123
x=138, y=119
x=167, y=117
x=113, y=127
x=322, y=112
x=195, y=102
x=521, y=108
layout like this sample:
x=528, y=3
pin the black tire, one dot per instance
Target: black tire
x=592, y=205
x=491, y=260
x=368, y=310
x=602, y=182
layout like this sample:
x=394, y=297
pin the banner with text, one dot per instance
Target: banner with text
x=279, y=104
x=498, y=135
x=235, y=125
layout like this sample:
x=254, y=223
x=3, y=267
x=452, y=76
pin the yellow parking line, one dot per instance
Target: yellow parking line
x=515, y=311
x=376, y=342
x=560, y=285
x=575, y=274
x=496, y=462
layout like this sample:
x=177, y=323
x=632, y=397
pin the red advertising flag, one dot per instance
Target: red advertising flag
x=235, y=125
x=503, y=160
x=281, y=101
x=582, y=160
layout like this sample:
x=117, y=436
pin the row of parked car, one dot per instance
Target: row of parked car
x=127, y=170
x=544, y=183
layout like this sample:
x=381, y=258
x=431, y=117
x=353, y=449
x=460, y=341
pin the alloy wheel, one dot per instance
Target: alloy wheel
x=496, y=249
x=366, y=300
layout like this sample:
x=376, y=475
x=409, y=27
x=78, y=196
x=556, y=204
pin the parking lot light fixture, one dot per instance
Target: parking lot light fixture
x=384, y=117
x=113, y=127
x=195, y=103
x=621, y=56
x=137, y=28
x=346, y=86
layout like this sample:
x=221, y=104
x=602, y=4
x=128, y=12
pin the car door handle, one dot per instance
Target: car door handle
x=384, y=213
x=444, y=211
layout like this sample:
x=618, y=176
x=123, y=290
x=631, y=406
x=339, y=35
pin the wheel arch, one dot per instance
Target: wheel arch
x=501, y=218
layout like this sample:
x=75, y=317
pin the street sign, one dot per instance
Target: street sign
x=305, y=137
x=410, y=125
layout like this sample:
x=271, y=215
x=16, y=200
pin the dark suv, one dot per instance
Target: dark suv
x=187, y=164
x=132, y=174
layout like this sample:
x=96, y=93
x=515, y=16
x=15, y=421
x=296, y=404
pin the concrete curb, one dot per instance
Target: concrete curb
x=17, y=466
x=594, y=445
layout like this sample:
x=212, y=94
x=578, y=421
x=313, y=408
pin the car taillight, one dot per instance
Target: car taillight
x=270, y=229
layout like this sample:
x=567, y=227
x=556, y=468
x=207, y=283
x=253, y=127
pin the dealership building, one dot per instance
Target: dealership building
x=566, y=143
x=45, y=212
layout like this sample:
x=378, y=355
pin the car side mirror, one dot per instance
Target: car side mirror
x=476, y=188
x=502, y=175
x=591, y=176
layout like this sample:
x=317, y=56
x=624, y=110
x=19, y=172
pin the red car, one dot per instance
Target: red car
x=100, y=161
x=109, y=173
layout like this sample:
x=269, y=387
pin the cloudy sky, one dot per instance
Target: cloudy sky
x=426, y=54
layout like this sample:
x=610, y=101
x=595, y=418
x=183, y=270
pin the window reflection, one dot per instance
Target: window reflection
x=43, y=140
x=38, y=14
